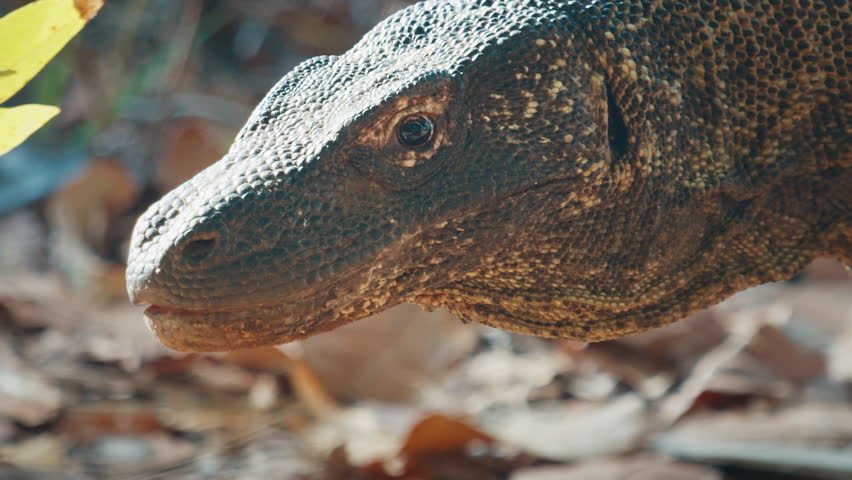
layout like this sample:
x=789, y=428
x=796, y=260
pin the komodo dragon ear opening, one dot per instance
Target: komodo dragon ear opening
x=616, y=128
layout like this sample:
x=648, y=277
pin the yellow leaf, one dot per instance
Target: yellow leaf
x=18, y=123
x=33, y=34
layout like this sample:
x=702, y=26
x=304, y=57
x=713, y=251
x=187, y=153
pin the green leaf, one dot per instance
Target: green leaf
x=18, y=123
x=35, y=33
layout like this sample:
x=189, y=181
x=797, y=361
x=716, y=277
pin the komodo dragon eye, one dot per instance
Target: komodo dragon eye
x=415, y=131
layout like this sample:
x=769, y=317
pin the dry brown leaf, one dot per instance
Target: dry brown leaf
x=25, y=394
x=204, y=410
x=170, y=366
x=439, y=433
x=496, y=379
x=260, y=388
x=840, y=358
x=86, y=423
x=369, y=431
x=22, y=242
x=191, y=145
x=29, y=300
x=434, y=448
x=389, y=356
x=571, y=430
x=307, y=386
x=8, y=430
x=319, y=31
x=267, y=359
x=727, y=368
x=821, y=310
x=123, y=456
x=620, y=469
x=654, y=361
x=812, y=438
x=827, y=270
x=786, y=359
x=274, y=454
x=221, y=376
x=118, y=333
x=812, y=423
x=79, y=216
x=384, y=442
x=44, y=452
x=13, y=473
x=88, y=8
x=311, y=391
x=73, y=331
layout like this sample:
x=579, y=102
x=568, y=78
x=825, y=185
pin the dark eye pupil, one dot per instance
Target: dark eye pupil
x=416, y=131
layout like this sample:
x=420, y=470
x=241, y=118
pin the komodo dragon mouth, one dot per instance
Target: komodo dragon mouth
x=199, y=330
x=224, y=327
x=576, y=169
x=159, y=310
x=229, y=329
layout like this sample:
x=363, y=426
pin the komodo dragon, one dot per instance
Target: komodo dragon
x=572, y=169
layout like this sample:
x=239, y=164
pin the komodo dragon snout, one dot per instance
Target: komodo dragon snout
x=542, y=166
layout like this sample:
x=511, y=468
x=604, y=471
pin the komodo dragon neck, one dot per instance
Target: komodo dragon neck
x=554, y=168
x=729, y=155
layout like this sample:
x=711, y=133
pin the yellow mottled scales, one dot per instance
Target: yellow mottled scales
x=567, y=169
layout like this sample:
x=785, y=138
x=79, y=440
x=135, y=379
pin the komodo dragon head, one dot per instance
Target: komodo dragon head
x=464, y=154
x=391, y=173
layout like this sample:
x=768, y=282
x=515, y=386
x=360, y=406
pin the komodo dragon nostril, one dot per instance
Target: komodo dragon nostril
x=199, y=248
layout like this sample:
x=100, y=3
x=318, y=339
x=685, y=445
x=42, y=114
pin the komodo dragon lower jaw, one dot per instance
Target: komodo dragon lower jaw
x=294, y=315
x=217, y=331
x=218, y=327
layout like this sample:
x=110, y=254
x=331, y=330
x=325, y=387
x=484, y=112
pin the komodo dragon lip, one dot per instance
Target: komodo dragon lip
x=219, y=330
x=230, y=327
x=157, y=309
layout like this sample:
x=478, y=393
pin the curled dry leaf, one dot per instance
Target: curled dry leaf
x=396, y=454
x=439, y=433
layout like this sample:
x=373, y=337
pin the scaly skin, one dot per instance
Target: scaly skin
x=594, y=171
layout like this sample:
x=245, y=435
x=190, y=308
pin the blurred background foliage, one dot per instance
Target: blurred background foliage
x=155, y=90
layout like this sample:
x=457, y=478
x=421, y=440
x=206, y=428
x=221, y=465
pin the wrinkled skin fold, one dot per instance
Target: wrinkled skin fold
x=579, y=171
